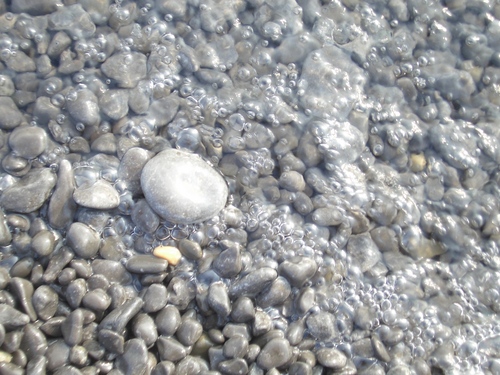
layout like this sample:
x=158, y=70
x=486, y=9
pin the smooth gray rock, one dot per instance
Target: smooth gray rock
x=29, y=193
x=182, y=188
x=275, y=353
x=28, y=141
x=127, y=69
x=82, y=105
x=83, y=240
x=11, y=115
x=62, y=207
x=101, y=196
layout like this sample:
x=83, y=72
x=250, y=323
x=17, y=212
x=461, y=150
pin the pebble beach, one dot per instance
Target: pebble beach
x=234, y=187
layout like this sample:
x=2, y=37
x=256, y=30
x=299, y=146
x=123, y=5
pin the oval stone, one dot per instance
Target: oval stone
x=182, y=188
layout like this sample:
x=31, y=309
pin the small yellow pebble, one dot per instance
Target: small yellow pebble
x=171, y=254
x=417, y=162
x=5, y=357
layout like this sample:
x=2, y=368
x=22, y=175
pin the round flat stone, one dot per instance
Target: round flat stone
x=182, y=188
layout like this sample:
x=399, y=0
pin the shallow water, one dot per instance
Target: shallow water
x=359, y=145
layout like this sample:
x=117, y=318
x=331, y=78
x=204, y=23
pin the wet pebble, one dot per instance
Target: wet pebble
x=62, y=207
x=146, y=264
x=101, y=196
x=23, y=289
x=189, y=331
x=190, y=249
x=298, y=270
x=236, y=347
x=28, y=141
x=170, y=349
x=57, y=354
x=292, y=181
x=117, y=319
x=11, y=116
x=133, y=361
x=43, y=243
x=111, y=340
x=114, y=103
x=253, y=283
x=83, y=240
x=182, y=188
x=11, y=318
x=168, y=320
x=96, y=300
x=34, y=342
x=331, y=358
x=72, y=328
x=75, y=292
x=143, y=327
x=275, y=353
x=36, y=185
x=274, y=294
x=242, y=310
x=228, y=263
x=218, y=299
x=155, y=298
x=144, y=217
x=233, y=366
x=127, y=69
x=322, y=326
x=363, y=251
x=83, y=107
x=131, y=165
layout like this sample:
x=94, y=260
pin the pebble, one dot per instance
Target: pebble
x=298, y=270
x=189, y=331
x=23, y=289
x=43, y=243
x=218, y=299
x=37, y=365
x=236, y=347
x=101, y=196
x=322, y=326
x=28, y=141
x=11, y=116
x=45, y=301
x=114, y=104
x=275, y=353
x=112, y=341
x=117, y=319
x=146, y=264
x=57, y=354
x=192, y=192
x=170, y=349
x=253, y=283
x=59, y=259
x=331, y=358
x=72, y=328
x=34, y=342
x=243, y=310
x=171, y=254
x=292, y=181
x=105, y=143
x=363, y=251
x=168, y=320
x=133, y=361
x=83, y=240
x=36, y=185
x=190, y=249
x=83, y=107
x=96, y=300
x=155, y=298
x=229, y=262
x=143, y=327
x=275, y=294
x=127, y=69
x=233, y=366
x=144, y=217
x=62, y=207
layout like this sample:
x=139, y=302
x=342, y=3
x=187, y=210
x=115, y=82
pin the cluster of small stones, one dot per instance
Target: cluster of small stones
x=359, y=144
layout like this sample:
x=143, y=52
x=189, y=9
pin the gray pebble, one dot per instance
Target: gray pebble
x=10, y=369
x=292, y=181
x=74, y=20
x=72, y=328
x=23, y=289
x=36, y=185
x=143, y=327
x=327, y=216
x=262, y=323
x=363, y=250
x=218, y=299
x=79, y=145
x=114, y=103
x=81, y=267
x=96, y=300
x=190, y=249
x=363, y=348
x=94, y=349
x=57, y=355
x=37, y=365
x=111, y=341
x=22, y=268
x=168, y=320
x=155, y=298
x=236, y=347
x=189, y=331
x=15, y=165
x=243, y=310
x=170, y=349
x=322, y=326
x=7, y=86
x=300, y=368
x=303, y=204
x=180, y=292
x=191, y=366
x=253, y=283
x=182, y=188
x=101, y=196
x=75, y=292
x=113, y=270
x=105, y=143
x=164, y=110
x=83, y=240
x=144, y=217
x=98, y=281
x=233, y=366
x=11, y=116
x=331, y=358
x=295, y=332
x=298, y=270
x=12, y=341
x=5, y=235
x=228, y=263
x=117, y=319
x=60, y=42
x=131, y=166
x=380, y=350
x=164, y=368
x=275, y=353
x=45, y=301
x=59, y=259
x=28, y=141
x=127, y=69
x=305, y=300
x=43, y=243
x=78, y=355
x=83, y=107
x=146, y=264
x=274, y=294
x=62, y=207
x=34, y=342
x=133, y=361
x=52, y=327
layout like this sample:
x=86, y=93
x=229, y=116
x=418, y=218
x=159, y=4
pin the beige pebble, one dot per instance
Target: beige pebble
x=417, y=162
x=171, y=254
x=5, y=357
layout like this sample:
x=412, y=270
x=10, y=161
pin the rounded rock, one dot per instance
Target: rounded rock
x=28, y=141
x=182, y=188
x=83, y=240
